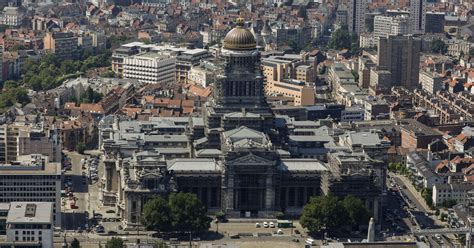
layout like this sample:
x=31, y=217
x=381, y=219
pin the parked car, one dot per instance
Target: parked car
x=265, y=224
x=272, y=225
x=257, y=225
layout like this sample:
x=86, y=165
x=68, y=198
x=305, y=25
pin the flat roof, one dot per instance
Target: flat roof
x=193, y=164
x=301, y=165
x=30, y=212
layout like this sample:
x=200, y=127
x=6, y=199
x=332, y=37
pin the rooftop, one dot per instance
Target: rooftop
x=30, y=212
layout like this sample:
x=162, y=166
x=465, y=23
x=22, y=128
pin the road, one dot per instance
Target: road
x=420, y=211
x=74, y=219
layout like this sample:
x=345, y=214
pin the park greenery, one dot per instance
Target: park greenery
x=50, y=72
x=88, y=96
x=330, y=213
x=342, y=39
x=180, y=212
x=438, y=46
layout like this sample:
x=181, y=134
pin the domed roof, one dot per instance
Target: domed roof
x=240, y=38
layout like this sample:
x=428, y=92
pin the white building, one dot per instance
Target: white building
x=391, y=25
x=31, y=222
x=417, y=16
x=151, y=67
x=458, y=192
x=32, y=178
x=203, y=75
x=357, y=10
x=13, y=16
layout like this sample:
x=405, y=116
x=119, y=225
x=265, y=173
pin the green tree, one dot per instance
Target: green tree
x=322, y=212
x=427, y=193
x=340, y=39
x=160, y=244
x=10, y=84
x=114, y=243
x=356, y=211
x=438, y=46
x=188, y=213
x=75, y=243
x=80, y=147
x=156, y=215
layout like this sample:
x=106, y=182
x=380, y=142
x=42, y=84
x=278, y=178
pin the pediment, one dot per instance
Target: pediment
x=250, y=159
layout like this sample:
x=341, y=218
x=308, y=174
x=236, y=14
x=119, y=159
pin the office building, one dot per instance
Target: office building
x=64, y=45
x=357, y=10
x=434, y=22
x=431, y=82
x=30, y=224
x=417, y=16
x=151, y=68
x=143, y=55
x=32, y=178
x=401, y=56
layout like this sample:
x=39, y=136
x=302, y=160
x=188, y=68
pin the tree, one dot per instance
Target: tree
x=80, y=147
x=188, y=213
x=156, y=215
x=160, y=244
x=427, y=193
x=10, y=84
x=322, y=212
x=356, y=210
x=438, y=46
x=114, y=243
x=340, y=39
x=75, y=243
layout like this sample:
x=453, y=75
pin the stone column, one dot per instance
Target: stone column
x=305, y=195
x=269, y=193
x=376, y=210
x=229, y=194
x=209, y=193
x=286, y=197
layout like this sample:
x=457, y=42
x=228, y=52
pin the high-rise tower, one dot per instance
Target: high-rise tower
x=357, y=10
x=417, y=16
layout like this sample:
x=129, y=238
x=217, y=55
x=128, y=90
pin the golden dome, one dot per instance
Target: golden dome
x=240, y=38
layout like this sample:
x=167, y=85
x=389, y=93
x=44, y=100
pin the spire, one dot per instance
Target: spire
x=240, y=22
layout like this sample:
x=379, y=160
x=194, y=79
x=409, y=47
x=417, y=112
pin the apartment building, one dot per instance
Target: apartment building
x=291, y=75
x=30, y=223
x=18, y=138
x=151, y=68
x=380, y=81
x=458, y=192
x=32, y=178
x=63, y=45
x=385, y=25
x=431, y=82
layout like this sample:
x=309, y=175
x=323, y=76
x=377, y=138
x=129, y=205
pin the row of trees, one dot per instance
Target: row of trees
x=331, y=213
x=180, y=212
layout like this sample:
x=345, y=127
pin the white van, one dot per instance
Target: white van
x=310, y=242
